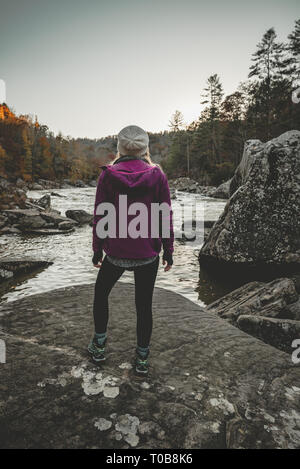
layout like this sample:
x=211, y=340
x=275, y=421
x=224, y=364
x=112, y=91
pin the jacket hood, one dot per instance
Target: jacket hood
x=131, y=177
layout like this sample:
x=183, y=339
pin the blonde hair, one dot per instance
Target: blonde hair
x=146, y=156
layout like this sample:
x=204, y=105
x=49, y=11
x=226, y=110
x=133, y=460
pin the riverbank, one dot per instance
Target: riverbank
x=14, y=194
x=210, y=385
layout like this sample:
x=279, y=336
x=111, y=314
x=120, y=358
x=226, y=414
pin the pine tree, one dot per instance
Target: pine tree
x=212, y=95
x=269, y=68
x=232, y=114
x=294, y=50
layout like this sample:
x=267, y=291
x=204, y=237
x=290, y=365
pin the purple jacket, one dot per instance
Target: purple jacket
x=140, y=182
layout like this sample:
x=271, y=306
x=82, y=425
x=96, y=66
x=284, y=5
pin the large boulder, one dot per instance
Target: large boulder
x=260, y=225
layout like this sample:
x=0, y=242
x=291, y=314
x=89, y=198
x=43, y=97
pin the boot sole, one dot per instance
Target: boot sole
x=94, y=359
x=141, y=373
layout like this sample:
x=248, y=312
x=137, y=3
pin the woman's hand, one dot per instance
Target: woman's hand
x=167, y=261
x=97, y=259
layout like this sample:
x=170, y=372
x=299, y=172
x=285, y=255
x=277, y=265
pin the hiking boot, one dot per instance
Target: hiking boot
x=141, y=364
x=96, y=351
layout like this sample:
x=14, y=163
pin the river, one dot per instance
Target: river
x=71, y=253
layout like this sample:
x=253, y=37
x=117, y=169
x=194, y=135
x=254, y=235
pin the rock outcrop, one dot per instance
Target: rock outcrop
x=260, y=225
x=281, y=333
x=269, y=311
x=210, y=384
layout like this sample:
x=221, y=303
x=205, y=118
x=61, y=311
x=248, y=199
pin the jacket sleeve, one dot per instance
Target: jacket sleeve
x=101, y=196
x=168, y=242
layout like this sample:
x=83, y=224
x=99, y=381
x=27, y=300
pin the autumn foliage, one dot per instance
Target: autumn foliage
x=28, y=150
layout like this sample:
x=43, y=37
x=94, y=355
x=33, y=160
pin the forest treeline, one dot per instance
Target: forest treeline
x=30, y=151
x=208, y=149
x=262, y=107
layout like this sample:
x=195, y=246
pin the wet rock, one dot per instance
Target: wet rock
x=44, y=201
x=10, y=268
x=54, y=218
x=260, y=225
x=66, y=225
x=31, y=203
x=247, y=399
x=55, y=194
x=273, y=299
x=80, y=216
x=39, y=221
x=26, y=218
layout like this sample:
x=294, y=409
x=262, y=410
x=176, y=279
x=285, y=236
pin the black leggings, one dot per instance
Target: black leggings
x=144, y=278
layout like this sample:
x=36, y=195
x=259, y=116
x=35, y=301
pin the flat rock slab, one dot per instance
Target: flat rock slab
x=210, y=386
x=10, y=268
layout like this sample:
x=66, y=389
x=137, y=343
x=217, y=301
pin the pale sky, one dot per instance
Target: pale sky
x=88, y=68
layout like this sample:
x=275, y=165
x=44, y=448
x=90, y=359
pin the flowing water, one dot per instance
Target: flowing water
x=71, y=253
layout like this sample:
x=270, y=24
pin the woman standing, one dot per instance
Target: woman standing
x=133, y=178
